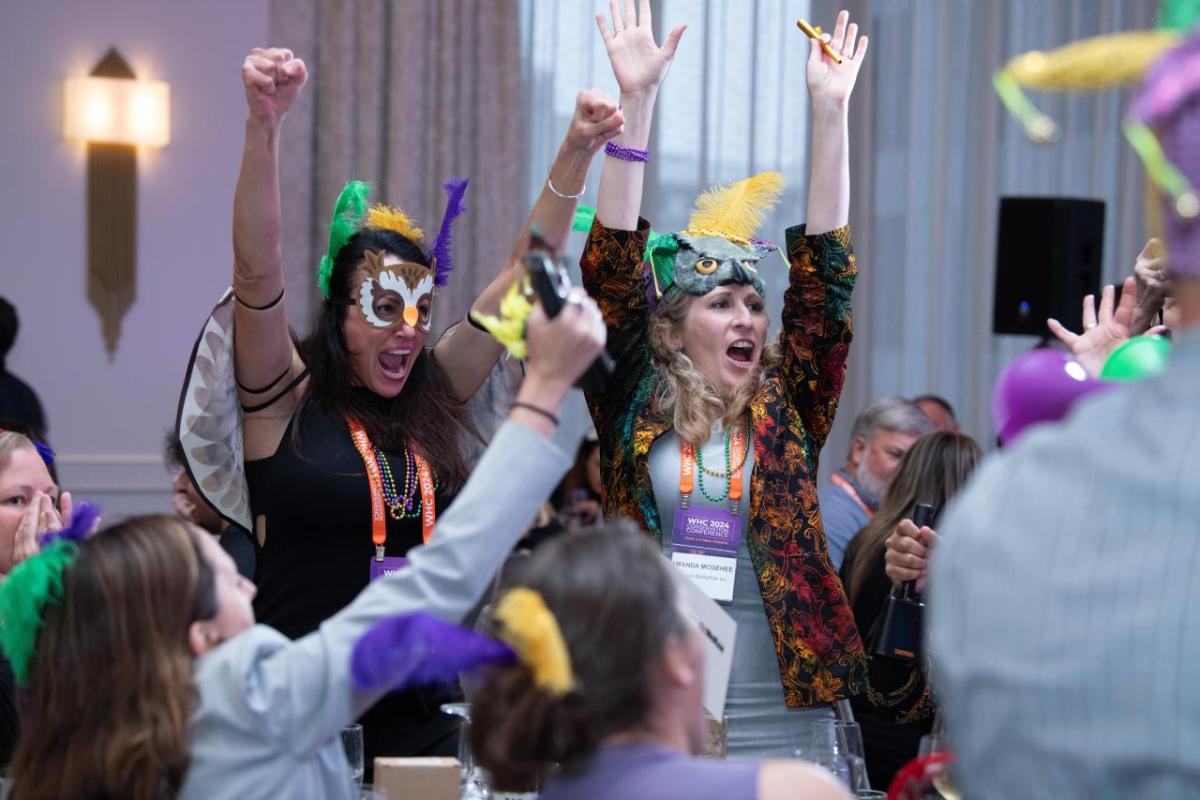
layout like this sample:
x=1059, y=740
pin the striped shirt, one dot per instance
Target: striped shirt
x=1065, y=602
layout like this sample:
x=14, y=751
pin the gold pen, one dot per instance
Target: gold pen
x=815, y=33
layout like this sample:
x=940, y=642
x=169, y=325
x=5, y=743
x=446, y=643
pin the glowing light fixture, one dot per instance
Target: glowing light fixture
x=117, y=111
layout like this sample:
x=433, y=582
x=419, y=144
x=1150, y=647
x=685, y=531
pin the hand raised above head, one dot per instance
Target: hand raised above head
x=829, y=81
x=597, y=119
x=273, y=79
x=1104, y=329
x=639, y=64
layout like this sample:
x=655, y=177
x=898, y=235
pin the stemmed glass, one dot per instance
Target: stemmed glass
x=352, y=743
x=837, y=745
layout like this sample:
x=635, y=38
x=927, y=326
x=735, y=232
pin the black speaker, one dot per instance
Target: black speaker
x=1048, y=256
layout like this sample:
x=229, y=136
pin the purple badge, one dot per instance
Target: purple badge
x=390, y=565
x=712, y=531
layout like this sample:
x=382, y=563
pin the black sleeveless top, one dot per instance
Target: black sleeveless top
x=316, y=559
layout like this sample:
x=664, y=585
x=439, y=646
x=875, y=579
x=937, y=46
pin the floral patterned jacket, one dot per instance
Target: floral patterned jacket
x=821, y=657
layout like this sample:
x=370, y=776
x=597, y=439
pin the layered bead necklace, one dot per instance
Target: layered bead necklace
x=733, y=461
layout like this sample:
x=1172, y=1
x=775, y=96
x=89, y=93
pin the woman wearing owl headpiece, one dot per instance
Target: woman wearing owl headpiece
x=355, y=439
x=710, y=434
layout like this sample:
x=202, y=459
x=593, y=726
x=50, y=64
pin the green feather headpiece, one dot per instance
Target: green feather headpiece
x=348, y=213
x=24, y=595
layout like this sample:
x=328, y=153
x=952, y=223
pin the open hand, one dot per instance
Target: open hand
x=596, y=120
x=273, y=79
x=829, y=81
x=639, y=64
x=1104, y=330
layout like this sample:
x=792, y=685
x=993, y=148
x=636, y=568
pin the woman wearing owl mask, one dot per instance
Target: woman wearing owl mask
x=356, y=438
x=710, y=434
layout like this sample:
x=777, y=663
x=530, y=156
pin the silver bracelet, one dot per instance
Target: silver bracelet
x=557, y=193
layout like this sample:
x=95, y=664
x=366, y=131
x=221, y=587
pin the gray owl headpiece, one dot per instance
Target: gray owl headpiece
x=718, y=246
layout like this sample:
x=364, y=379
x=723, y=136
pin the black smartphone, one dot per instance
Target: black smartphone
x=551, y=284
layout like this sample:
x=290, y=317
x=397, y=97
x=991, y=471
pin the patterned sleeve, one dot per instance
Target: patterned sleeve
x=815, y=338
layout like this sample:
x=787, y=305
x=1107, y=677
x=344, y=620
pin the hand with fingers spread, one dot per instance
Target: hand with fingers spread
x=1104, y=330
x=828, y=81
x=1150, y=270
x=597, y=119
x=273, y=79
x=906, y=553
x=639, y=64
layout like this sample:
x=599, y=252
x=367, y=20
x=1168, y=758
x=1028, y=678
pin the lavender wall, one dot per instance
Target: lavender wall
x=107, y=417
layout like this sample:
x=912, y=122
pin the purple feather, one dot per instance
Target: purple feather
x=419, y=649
x=45, y=451
x=79, y=527
x=455, y=189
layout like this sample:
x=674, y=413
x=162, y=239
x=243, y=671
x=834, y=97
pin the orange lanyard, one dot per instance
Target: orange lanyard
x=366, y=450
x=687, y=468
x=838, y=480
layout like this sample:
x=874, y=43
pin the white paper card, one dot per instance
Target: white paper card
x=718, y=631
x=713, y=574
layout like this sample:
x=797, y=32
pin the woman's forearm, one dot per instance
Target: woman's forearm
x=257, y=218
x=619, y=203
x=829, y=173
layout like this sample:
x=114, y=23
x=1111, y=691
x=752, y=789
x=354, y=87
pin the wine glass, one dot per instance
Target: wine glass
x=943, y=781
x=838, y=741
x=352, y=743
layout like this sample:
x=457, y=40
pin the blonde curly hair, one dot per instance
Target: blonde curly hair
x=686, y=395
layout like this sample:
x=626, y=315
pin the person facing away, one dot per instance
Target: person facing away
x=18, y=401
x=939, y=410
x=882, y=433
x=622, y=721
x=1062, y=600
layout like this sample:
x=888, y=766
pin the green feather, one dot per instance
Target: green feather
x=1180, y=15
x=660, y=252
x=24, y=595
x=348, y=212
x=584, y=215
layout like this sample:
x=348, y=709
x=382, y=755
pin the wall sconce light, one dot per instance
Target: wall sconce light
x=115, y=114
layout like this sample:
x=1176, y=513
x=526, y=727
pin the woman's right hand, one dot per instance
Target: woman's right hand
x=906, y=553
x=273, y=78
x=561, y=349
x=638, y=64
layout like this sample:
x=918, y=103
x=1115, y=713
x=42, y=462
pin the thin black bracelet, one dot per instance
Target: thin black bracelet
x=269, y=305
x=536, y=410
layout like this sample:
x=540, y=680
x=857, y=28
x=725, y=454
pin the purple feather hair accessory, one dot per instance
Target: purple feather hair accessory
x=443, y=262
x=45, y=451
x=82, y=523
x=419, y=649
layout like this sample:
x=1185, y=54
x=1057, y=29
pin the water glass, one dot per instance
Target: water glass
x=836, y=741
x=473, y=783
x=352, y=743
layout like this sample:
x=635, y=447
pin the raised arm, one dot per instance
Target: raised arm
x=639, y=66
x=262, y=347
x=468, y=354
x=816, y=327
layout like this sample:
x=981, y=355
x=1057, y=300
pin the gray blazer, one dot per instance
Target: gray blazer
x=270, y=709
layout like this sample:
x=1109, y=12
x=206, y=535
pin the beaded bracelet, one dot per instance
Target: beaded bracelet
x=617, y=151
x=557, y=193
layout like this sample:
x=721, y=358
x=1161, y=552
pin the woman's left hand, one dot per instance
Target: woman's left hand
x=40, y=517
x=597, y=119
x=828, y=81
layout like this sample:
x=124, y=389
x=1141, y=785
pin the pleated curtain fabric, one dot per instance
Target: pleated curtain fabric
x=932, y=150
x=406, y=94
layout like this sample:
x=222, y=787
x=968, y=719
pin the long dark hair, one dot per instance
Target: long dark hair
x=427, y=413
x=932, y=471
x=111, y=691
x=615, y=604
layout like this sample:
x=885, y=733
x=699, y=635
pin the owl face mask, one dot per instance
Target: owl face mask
x=395, y=293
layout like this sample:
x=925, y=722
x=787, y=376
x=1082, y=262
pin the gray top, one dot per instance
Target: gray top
x=270, y=709
x=1063, y=602
x=841, y=515
x=664, y=476
x=648, y=771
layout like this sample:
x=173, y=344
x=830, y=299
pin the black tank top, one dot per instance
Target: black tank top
x=316, y=559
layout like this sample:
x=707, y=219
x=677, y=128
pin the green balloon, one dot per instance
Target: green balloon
x=1140, y=357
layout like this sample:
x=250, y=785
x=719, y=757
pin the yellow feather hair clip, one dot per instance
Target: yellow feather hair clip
x=390, y=218
x=509, y=327
x=533, y=632
x=736, y=211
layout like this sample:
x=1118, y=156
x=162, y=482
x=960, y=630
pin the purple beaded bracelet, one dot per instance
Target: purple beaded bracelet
x=615, y=150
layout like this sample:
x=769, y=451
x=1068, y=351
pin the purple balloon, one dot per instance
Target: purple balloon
x=1039, y=386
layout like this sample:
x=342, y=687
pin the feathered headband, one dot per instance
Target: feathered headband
x=420, y=650
x=350, y=211
x=34, y=584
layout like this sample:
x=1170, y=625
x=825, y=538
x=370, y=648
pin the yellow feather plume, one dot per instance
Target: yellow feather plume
x=509, y=327
x=390, y=218
x=533, y=632
x=1091, y=64
x=736, y=211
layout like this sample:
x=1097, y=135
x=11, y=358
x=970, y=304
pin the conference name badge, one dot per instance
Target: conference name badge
x=704, y=546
